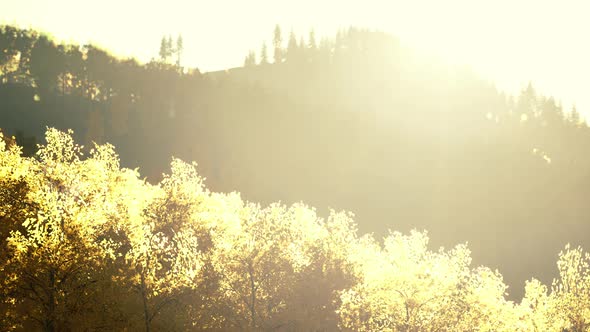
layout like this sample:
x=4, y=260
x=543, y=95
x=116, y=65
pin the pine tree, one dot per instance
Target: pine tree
x=179, y=49
x=312, y=47
x=166, y=48
x=163, y=49
x=311, y=44
x=169, y=45
x=263, y=55
x=292, y=48
x=277, y=42
x=250, y=59
x=574, y=117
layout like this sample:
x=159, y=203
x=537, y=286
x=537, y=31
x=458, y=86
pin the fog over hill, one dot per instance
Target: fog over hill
x=356, y=122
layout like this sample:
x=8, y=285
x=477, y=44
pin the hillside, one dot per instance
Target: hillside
x=357, y=122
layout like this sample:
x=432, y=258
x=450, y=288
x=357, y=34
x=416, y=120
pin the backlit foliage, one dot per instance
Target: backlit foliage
x=395, y=135
x=406, y=287
x=88, y=245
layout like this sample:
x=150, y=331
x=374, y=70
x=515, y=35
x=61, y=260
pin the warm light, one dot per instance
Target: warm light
x=508, y=42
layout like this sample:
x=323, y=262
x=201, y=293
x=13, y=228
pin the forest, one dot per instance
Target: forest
x=426, y=155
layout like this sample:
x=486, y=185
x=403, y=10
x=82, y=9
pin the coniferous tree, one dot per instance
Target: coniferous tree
x=170, y=46
x=277, y=43
x=263, y=54
x=324, y=51
x=311, y=43
x=164, y=49
x=527, y=106
x=250, y=59
x=292, y=48
x=312, y=47
x=574, y=116
x=179, y=49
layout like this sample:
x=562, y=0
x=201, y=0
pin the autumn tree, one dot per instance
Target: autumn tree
x=163, y=255
x=259, y=259
x=538, y=308
x=571, y=291
x=59, y=252
x=406, y=287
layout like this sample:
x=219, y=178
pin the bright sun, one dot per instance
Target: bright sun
x=507, y=42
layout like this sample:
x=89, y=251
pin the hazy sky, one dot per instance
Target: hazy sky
x=508, y=41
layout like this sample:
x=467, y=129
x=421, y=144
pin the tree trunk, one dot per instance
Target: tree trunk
x=49, y=324
x=252, y=298
x=145, y=304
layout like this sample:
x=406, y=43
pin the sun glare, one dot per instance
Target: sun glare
x=506, y=41
x=306, y=165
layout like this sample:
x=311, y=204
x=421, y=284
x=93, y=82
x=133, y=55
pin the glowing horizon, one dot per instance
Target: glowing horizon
x=505, y=42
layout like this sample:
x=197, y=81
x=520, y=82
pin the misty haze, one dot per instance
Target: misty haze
x=347, y=178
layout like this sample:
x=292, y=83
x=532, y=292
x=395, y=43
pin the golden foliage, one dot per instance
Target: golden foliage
x=87, y=244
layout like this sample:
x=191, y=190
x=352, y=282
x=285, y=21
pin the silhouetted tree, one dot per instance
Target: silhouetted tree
x=46, y=63
x=277, y=43
x=527, y=106
x=8, y=50
x=312, y=45
x=574, y=116
x=263, y=54
x=552, y=115
x=324, y=53
x=170, y=45
x=293, y=51
x=250, y=60
x=166, y=48
x=179, y=49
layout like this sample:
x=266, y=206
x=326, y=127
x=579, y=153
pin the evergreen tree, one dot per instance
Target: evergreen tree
x=179, y=49
x=164, y=50
x=574, y=116
x=277, y=42
x=250, y=60
x=551, y=113
x=324, y=51
x=167, y=50
x=527, y=107
x=292, y=48
x=263, y=54
x=170, y=46
x=311, y=43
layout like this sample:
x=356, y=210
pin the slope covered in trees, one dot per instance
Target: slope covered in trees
x=88, y=245
x=356, y=122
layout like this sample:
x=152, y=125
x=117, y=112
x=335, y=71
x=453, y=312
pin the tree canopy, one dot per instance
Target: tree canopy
x=89, y=245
